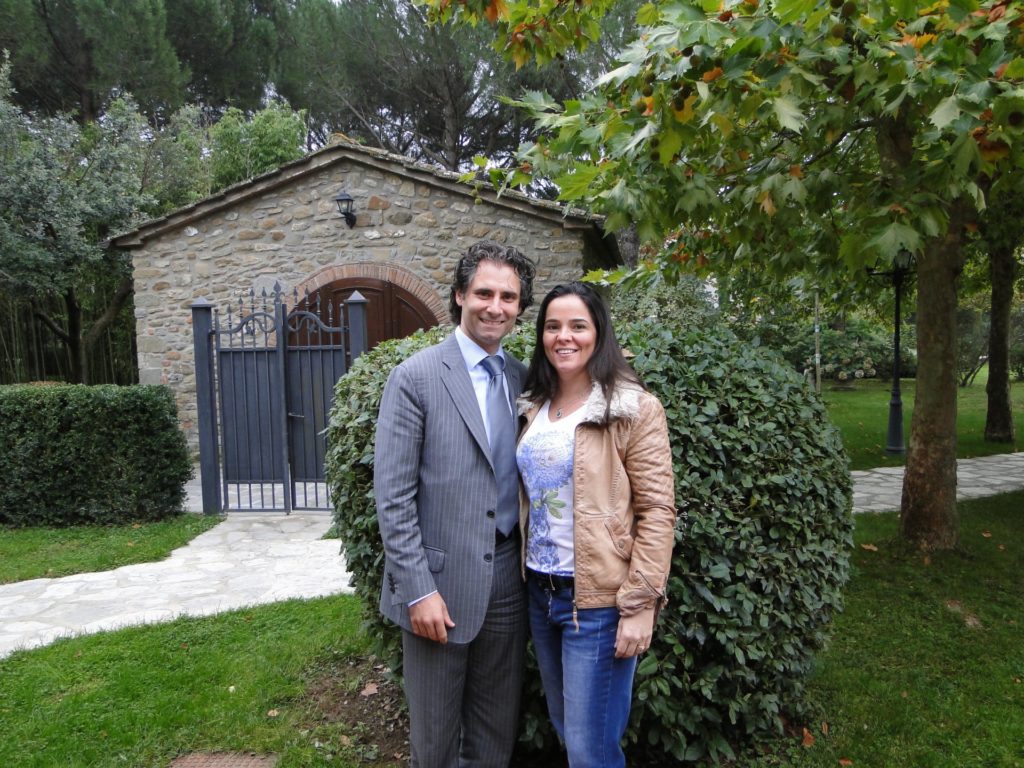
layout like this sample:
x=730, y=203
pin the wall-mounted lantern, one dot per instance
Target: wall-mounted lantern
x=345, y=201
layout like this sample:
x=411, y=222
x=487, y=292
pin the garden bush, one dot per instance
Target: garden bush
x=1017, y=344
x=972, y=326
x=75, y=455
x=687, y=301
x=762, y=547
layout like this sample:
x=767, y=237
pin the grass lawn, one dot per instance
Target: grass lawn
x=31, y=553
x=926, y=665
x=862, y=415
x=141, y=696
x=925, y=668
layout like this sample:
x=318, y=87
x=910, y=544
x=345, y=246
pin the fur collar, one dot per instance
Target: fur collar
x=625, y=403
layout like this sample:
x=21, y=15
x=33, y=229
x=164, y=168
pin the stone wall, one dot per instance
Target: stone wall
x=292, y=234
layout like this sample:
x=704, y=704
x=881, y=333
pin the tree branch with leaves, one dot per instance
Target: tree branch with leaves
x=793, y=134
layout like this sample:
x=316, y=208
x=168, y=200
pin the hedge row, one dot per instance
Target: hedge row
x=73, y=455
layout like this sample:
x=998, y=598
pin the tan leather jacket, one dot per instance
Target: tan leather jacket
x=623, y=503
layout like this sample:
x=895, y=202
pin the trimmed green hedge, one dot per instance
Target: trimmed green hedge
x=763, y=537
x=74, y=455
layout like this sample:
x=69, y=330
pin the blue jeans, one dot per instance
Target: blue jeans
x=588, y=690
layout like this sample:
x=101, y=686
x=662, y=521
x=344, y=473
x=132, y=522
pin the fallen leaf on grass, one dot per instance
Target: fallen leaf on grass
x=369, y=690
x=808, y=740
x=869, y=547
x=1001, y=547
x=844, y=761
x=273, y=713
x=903, y=694
x=824, y=728
x=987, y=534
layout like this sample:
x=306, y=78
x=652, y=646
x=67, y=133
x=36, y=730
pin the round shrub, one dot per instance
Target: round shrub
x=762, y=549
x=763, y=543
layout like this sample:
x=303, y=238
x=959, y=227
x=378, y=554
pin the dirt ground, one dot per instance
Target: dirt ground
x=357, y=705
x=355, y=708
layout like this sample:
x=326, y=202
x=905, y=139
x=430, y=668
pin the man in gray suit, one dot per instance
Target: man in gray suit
x=447, y=494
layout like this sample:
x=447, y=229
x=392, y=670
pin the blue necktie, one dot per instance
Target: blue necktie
x=503, y=445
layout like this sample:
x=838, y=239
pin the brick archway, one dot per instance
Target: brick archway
x=399, y=302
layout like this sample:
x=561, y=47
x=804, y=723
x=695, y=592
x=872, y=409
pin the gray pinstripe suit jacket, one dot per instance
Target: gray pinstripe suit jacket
x=435, y=487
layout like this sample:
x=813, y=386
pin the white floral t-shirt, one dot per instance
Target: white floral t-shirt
x=545, y=456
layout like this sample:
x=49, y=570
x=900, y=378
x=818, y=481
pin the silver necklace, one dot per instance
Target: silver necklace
x=558, y=411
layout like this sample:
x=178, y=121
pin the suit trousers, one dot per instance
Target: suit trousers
x=470, y=690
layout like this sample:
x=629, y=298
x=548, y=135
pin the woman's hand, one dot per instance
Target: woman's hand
x=634, y=634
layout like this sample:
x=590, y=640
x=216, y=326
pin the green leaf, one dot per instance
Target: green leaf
x=719, y=571
x=945, y=113
x=671, y=142
x=647, y=666
x=576, y=184
x=895, y=237
x=965, y=154
x=1015, y=70
x=790, y=11
x=648, y=15
x=618, y=75
x=853, y=250
x=724, y=124
x=788, y=114
x=794, y=189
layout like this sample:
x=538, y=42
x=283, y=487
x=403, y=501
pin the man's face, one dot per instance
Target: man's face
x=490, y=304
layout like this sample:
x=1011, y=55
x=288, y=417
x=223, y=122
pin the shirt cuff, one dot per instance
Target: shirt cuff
x=420, y=599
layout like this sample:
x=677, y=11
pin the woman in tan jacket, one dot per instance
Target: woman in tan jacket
x=596, y=465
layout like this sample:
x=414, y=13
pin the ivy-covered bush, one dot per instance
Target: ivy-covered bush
x=75, y=455
x=762, y=548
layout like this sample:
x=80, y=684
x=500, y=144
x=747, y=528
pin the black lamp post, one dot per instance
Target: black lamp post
x=901, y=267
x=344, y=201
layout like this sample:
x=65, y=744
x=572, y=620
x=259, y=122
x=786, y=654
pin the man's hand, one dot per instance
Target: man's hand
x=430, y=618
x=634, y=634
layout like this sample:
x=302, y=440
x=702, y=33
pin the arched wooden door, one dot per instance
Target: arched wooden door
x=391, y=311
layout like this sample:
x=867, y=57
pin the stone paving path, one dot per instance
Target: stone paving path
x=254, y=558
x=879, y=490
x=249, y=559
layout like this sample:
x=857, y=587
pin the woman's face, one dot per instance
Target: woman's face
x=569, y=336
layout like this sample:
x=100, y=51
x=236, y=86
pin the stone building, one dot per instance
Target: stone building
x=412, y=222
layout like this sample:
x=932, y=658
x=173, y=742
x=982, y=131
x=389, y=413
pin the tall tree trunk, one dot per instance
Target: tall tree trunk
x=999, y=417
x=928, y=515
x=92, y=337
x=629, y=245
x=450, y=139
x=79, y=372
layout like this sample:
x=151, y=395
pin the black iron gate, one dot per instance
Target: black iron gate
x=265, y=383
